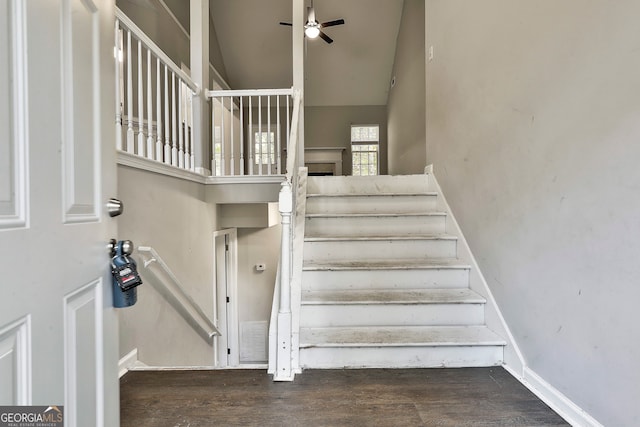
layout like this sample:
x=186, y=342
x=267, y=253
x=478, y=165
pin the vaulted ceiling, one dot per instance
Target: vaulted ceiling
x=354, y=70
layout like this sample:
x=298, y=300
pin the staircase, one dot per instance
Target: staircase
x=382, y=286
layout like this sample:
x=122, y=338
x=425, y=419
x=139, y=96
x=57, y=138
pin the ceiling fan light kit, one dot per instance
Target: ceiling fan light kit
x=313, y=29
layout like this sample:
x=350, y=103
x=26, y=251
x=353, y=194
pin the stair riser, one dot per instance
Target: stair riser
x=372, y=204
x=400, y=357
x=375, y=226
x=386, y=279
x=313, y=316
x=368, y=185
x=369, y=250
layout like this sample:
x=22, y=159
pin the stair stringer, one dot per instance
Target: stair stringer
x=513, y=358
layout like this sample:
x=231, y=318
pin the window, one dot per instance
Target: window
x=265, y=146
x=364, y=149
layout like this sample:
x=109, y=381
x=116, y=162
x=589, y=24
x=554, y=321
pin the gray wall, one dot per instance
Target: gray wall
x=331, y=127
x=406, y=103
x=533, y=126
x=156, y=23
x=171, y=216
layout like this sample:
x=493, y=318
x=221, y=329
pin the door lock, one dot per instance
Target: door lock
x=114, y=207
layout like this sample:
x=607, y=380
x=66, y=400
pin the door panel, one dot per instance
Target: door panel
x=15, y=369
x=58, y=330
x=81, y=37
x=13, y=191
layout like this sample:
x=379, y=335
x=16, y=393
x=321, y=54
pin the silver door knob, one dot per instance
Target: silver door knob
x=114, y=207
x=127, y=247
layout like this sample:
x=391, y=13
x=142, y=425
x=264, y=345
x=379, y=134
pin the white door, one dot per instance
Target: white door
x=58, y=332
x=225, y=268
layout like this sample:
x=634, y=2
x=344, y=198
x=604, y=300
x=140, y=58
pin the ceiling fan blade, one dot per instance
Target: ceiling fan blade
x=332, y=23
x=326, y=38
x=286, y=24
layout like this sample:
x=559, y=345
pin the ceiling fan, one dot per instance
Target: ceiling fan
x=313, y=29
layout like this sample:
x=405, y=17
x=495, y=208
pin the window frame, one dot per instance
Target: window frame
x=369, y=143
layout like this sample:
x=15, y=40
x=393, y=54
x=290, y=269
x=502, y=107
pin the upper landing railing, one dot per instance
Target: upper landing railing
x=250, y=130
x=153, y=109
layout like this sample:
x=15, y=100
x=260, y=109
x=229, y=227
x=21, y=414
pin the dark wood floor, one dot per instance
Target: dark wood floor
x=373, y=397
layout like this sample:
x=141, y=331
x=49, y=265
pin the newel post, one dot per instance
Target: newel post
x=284, y=371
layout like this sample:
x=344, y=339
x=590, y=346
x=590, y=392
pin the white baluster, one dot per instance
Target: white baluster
x=252, y=138
x=278, y=148
x=241, y=138
x=140, y=144
x=149, y=109
x=130, y=133
x=259, y=153
x=289, y=118
x=191, y=137
x=180, y=127
x=213, y=137
x=268, y=134
x=187, y=139
x=223, y=159
x=158, y=113
x=174, y=124
x=232, y=163
x=167, y=145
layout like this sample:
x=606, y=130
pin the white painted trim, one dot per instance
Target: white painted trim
x=519, y=360
x=230, y=333
x=149, y=165
x=137, y=162
x=126, y=363
x=556, y=400
x=175, y=19
x=245, y=179
x=20, y=332
x=218, y=78
x=249, y=92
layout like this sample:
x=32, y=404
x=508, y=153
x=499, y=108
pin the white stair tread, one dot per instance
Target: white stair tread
x=374, y=215
x=371, y=238
x=399, y=336
x=391, y=296
x=399, y=264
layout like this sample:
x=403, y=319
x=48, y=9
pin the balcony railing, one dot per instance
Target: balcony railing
x=153, y=100
x=250, y=129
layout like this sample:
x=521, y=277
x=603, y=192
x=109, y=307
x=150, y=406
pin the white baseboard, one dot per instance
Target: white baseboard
x=555, y=399
x=127, y=362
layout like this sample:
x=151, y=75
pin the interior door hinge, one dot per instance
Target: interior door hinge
x=226, y=247
x=228, y=300
x=228, y=351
